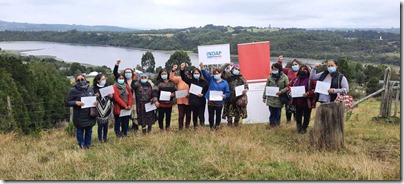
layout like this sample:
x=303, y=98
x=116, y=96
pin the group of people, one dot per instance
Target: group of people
x=133, y=92
x=301, y=75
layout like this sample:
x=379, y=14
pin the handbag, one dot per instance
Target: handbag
x=94, y=112
x=242, y=101
x=345, y=98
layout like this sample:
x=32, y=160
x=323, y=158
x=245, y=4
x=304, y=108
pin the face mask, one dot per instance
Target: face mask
x=196, y=76
x=143, y=80
x=102, y=83
x=302, y=73
x=121, y=81
x=295, y=67
x=164, y=77
x=275, y=72
x=217, y=76
x=128, y=75
x=236, y=72
x=332, y=69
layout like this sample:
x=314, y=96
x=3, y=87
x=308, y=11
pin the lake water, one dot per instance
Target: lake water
x=100, y=55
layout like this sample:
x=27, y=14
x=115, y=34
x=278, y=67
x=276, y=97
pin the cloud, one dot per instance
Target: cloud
x=188, y=13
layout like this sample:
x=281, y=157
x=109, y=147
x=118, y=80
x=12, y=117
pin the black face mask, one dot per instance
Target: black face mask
x=302, y=73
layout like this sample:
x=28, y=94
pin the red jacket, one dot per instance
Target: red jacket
x=119, y=103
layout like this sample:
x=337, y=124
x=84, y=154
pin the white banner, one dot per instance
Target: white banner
x=214, y=54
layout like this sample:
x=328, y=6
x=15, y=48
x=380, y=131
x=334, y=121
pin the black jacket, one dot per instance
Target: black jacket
x=81, y=117
x=193, y=99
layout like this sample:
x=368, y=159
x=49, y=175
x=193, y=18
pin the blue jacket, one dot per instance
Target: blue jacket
x=215, y=86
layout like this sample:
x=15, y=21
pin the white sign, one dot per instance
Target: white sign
x=125, y=112
x=88, y=101
x=215, y=95
x=214, y=54
x=239, y=90
x=165, y=95
x=297, y=91
x=195, y=89
x=181, y=94
x=271, y=91
x=322, y=87
x=107, y=90
x=150, y=106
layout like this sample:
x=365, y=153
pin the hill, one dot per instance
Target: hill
x=250, y=152
x=16, y=26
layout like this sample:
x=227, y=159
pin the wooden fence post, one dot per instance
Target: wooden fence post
x=10, y=113
x=71, y=114
x=328, y=130
x=385, y=103
x=396, y=101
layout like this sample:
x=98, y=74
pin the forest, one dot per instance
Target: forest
x=365, y=46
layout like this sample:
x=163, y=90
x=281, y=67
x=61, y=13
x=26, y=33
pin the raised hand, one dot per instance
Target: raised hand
x=118, y=61
x=182, y=66
x=175, y=67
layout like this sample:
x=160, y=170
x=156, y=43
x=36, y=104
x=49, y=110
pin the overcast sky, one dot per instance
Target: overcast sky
x=157, y=14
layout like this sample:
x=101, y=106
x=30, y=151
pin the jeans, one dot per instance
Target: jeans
x=214, y=110
x=198, y=112
x=167, y=111
x=102, y=131
x=84, y=136
x=302, y=112
x=121, y=122
x=184, y=111
x=274, y=116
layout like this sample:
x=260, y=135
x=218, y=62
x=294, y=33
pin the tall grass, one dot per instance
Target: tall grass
x=249, y=152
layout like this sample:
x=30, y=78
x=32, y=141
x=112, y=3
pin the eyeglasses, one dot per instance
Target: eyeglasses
x=80, y=80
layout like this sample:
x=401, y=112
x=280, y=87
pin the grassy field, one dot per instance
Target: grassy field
x=249, y=152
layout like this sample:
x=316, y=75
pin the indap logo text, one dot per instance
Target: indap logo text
x=214, y=54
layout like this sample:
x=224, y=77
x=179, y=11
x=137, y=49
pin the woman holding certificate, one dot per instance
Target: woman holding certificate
x=275, y=86
x=165, y=91
x=182, y=102
x=144, y=97
x=197, y=100
x=104, y=106
x=122, y=106
x=218, y=92
x=332, y=82
x=235, y=79
x=302, y=92
x=81, y=111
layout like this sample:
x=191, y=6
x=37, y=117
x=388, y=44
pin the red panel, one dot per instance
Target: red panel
x=254, y=60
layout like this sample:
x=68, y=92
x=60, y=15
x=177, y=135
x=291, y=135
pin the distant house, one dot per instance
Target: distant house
x=92, y=74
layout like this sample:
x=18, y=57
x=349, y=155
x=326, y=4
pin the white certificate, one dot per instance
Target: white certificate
x=271, y=91
x=195, y=89
x=215, y=95
x=239, y=90
x=88, y=101
x=297, y=91
x=181, y=94
x=125, y=112
x=106, y=91
x=150, y=106
x=165, y=95
x=322, y=87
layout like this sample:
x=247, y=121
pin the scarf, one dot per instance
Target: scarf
x=121, y=87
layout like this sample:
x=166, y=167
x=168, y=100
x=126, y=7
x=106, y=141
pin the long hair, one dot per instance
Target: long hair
x=159, y=75
x=96, y=79
x=200, y=73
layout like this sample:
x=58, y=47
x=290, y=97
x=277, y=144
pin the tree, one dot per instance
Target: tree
x=177, y=58
x=138, y=67
x=148, y=63
x=76, y=68
x=372, y=86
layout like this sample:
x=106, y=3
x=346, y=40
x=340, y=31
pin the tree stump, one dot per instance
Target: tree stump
x=328, y=131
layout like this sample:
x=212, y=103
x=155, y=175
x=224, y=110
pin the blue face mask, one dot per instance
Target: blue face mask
x=236, y=72
x=332, y=69
x=275, y=72
x=143, y=80
x=295, y=67
x=164, y=77
x=196, y=76
x=217, y=76
x=128, y=75
x=121, y=81
x=103, y=82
